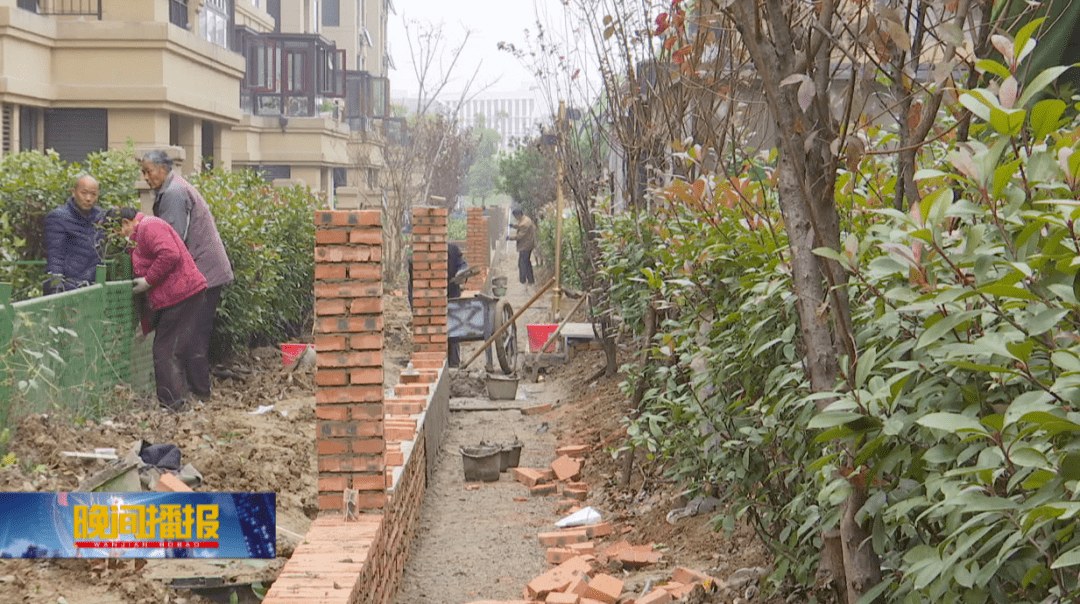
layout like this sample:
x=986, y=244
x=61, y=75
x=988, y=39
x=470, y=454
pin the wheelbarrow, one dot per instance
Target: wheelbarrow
x=475, y=319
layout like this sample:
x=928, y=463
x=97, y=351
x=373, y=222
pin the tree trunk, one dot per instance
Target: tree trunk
x=862, y=568
x=806, y=271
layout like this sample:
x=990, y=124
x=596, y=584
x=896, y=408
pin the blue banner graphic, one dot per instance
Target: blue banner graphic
x=137, y=525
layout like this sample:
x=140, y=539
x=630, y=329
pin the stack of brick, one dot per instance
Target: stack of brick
x=429, y=279
x=477, y=252
x=361, y=561
x=349, y=343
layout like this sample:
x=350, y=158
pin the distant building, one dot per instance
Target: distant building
x=516, y=116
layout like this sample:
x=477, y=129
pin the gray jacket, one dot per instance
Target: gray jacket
x=180, y=205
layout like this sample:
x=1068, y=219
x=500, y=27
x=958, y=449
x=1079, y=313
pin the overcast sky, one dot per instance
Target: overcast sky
x=491, y=22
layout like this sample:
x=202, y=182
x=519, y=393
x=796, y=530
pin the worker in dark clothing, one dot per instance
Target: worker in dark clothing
x=74, y=238
x=455, y=265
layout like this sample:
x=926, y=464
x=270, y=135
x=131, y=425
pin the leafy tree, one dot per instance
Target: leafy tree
x=483, y=175
x=526, y=175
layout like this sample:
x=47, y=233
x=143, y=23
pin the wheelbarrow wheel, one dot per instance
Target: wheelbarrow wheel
x=506, y=343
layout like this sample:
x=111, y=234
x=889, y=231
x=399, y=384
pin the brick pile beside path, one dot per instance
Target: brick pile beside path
x=580, y=554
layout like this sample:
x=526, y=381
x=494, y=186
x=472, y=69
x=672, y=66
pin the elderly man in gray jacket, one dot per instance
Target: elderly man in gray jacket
x=179, y=204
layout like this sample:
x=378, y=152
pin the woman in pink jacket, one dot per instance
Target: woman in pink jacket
x=176, y=289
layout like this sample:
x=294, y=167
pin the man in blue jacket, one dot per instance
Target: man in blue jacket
x=74, y=238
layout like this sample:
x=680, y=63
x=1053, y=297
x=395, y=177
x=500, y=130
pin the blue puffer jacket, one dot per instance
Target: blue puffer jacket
x=75, y=245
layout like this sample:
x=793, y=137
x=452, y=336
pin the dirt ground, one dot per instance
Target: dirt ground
x=471, y=544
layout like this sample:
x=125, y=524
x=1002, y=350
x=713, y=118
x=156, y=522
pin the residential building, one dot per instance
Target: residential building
x=227, y=83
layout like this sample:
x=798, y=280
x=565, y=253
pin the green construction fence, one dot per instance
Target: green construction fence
x=68, y=352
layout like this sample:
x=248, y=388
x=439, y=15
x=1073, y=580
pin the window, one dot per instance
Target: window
x=214, y=22
x=331, y=13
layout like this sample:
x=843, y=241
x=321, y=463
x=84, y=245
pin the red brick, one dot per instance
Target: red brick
x=332, y=412
x=369, y=411
x=368, y=483
x=600, y=529
x=398, y=407
x=566, y=468
x=529, y=477
x=329, y=343
x=337, y=325
x=344, y=429
x=655, y=596
x=331, y=446
x=576, y=494
x=542, y=490
x=604, y=588
x=366, y=236
x=563, y=537
x=370, y=375
x=354, y=394
x=330, y=271
x=361, y=306
x=327, y=377
x=367, y=341
x=169, y=483
x=558, y=597
x=686, y=575
x=330, y=236
x=368, y=445
x=559, y=577
x=333, y=483
x=573, y=450
x=348, y=289
x=365, y=272
x=558, y=555
x=351, y=463
x=536, y=409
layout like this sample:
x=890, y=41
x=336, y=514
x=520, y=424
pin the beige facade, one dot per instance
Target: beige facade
x=359, y=28
x=220, y=82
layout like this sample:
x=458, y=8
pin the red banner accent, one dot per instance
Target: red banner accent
x=147, y=544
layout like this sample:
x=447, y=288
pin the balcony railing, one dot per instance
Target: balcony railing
x=367, y=100
x=289, y=74
x=65, y=8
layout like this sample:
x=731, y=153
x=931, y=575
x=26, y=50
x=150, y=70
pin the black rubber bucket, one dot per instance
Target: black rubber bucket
x=481, y=463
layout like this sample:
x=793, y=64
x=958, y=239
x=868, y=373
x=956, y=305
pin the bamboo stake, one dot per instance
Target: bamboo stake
x=507, y=325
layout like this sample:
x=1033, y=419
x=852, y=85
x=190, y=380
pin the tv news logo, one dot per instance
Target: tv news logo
x=145, y=526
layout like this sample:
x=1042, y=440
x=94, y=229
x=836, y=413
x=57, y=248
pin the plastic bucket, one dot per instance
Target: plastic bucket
x=538, y=336
x=291, y=352
x=481, y=463
x=501, y=388
x=512, y=454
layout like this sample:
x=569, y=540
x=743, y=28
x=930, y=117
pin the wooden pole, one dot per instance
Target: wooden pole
x=556, y=306
x=507, y=325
